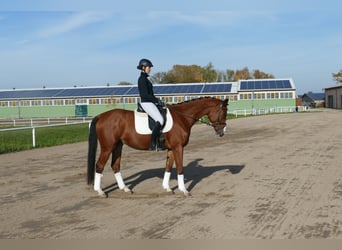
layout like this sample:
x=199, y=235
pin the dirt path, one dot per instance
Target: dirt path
x=277, y=176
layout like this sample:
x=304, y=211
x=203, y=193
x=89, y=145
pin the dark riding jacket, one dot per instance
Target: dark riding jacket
x=146, y=89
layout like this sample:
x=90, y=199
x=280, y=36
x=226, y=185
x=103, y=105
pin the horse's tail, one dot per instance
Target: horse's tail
x=92, y=151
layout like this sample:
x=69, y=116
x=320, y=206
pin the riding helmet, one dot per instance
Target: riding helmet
x=144, y=63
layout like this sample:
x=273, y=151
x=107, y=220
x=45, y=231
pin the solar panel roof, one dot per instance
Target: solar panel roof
x=265, y=84
x=14, y=94
x=159, y=89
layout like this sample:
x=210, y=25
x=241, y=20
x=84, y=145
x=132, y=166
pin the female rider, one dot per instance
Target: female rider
x=149, y=102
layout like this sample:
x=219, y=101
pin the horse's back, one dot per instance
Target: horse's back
x=114, y=116
x=116, y=113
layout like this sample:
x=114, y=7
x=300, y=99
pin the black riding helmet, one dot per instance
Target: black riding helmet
x=144, y=63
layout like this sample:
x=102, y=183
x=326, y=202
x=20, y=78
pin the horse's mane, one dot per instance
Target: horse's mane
x=194, y=100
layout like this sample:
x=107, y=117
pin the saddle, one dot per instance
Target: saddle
x=144, y=124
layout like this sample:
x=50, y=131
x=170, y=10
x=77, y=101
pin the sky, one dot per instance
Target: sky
x=64, y=43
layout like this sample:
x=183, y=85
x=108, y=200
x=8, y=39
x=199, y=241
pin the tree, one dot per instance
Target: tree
x=124, y=83
x=242, y=74
x=209, y=74
x=337, y=76
x=183, y=74
x=195, y=73
x=158, y=77
x=258, y=74
x=230, y=75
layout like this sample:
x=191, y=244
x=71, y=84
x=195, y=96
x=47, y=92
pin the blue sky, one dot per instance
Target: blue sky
x=92, y=43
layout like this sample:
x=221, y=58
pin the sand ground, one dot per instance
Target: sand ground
x=269, y=177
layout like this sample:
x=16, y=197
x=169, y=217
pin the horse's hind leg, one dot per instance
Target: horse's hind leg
x=116, y=158
x=169, y=163
x=100, y=164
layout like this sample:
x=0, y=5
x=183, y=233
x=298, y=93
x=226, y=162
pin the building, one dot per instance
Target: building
x=333, y=97
x=313, y=100
x=264, y=95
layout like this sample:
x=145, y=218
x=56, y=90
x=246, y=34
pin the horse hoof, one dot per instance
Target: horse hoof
x=127, y=190
x=100, y=193
x=186, y=192
x=168, y=190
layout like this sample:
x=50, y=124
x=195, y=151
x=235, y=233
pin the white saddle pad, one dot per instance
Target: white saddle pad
x=141, y=122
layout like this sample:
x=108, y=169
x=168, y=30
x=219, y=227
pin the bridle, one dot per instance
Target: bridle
x=219, y=122
x=214, y=125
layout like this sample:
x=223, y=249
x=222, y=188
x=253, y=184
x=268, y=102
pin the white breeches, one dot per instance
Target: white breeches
x=153, y=111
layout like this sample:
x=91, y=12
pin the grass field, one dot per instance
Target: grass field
x=13, y=141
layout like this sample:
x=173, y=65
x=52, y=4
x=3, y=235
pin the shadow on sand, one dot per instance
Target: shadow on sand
x=194, y=173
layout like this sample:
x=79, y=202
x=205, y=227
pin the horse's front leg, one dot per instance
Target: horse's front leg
x=178, y=155
x=116, y=158
x=169, y=163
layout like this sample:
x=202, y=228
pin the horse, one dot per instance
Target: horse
x=114, y=128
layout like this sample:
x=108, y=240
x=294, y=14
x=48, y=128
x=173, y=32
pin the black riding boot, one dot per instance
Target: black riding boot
x=154, y=145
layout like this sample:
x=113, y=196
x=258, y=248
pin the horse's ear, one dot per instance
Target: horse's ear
x=225, y=102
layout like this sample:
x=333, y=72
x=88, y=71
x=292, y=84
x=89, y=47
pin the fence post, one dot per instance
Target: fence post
x=33, y=137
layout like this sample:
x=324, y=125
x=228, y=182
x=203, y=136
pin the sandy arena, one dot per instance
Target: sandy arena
x=269, y=177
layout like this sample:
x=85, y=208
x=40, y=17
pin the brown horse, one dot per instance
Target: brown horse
x=116, y=127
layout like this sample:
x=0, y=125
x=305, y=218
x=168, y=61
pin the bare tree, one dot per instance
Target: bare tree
x=337, y=77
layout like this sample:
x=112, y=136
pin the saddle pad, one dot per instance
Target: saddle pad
x=141, y=122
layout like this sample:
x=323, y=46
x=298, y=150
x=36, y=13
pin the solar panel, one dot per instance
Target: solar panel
x=243, y=85
x=133, y=91
x=217, y=88
x=273, y=85
x=15, y=94
x=250, y=85
x=287, y=84
x=177, y=88
x=265, y=84
x=257, y=85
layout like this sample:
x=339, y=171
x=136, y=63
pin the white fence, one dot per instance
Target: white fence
x=39, y=123
x=248, y=112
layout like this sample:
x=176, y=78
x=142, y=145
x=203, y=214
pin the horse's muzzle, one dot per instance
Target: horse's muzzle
x=221, y=131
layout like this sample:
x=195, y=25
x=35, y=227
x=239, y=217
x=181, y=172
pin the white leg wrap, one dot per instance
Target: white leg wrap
x=181, y=185
x=97, y=182
x=166, y=181
x=119, y=180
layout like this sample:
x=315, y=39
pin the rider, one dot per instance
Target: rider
x=149, y=102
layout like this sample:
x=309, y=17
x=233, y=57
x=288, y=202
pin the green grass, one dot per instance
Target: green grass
x=13, y=141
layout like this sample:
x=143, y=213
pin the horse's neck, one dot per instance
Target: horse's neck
x=197, y=109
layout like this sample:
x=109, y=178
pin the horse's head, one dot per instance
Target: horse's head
x=218, y=116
